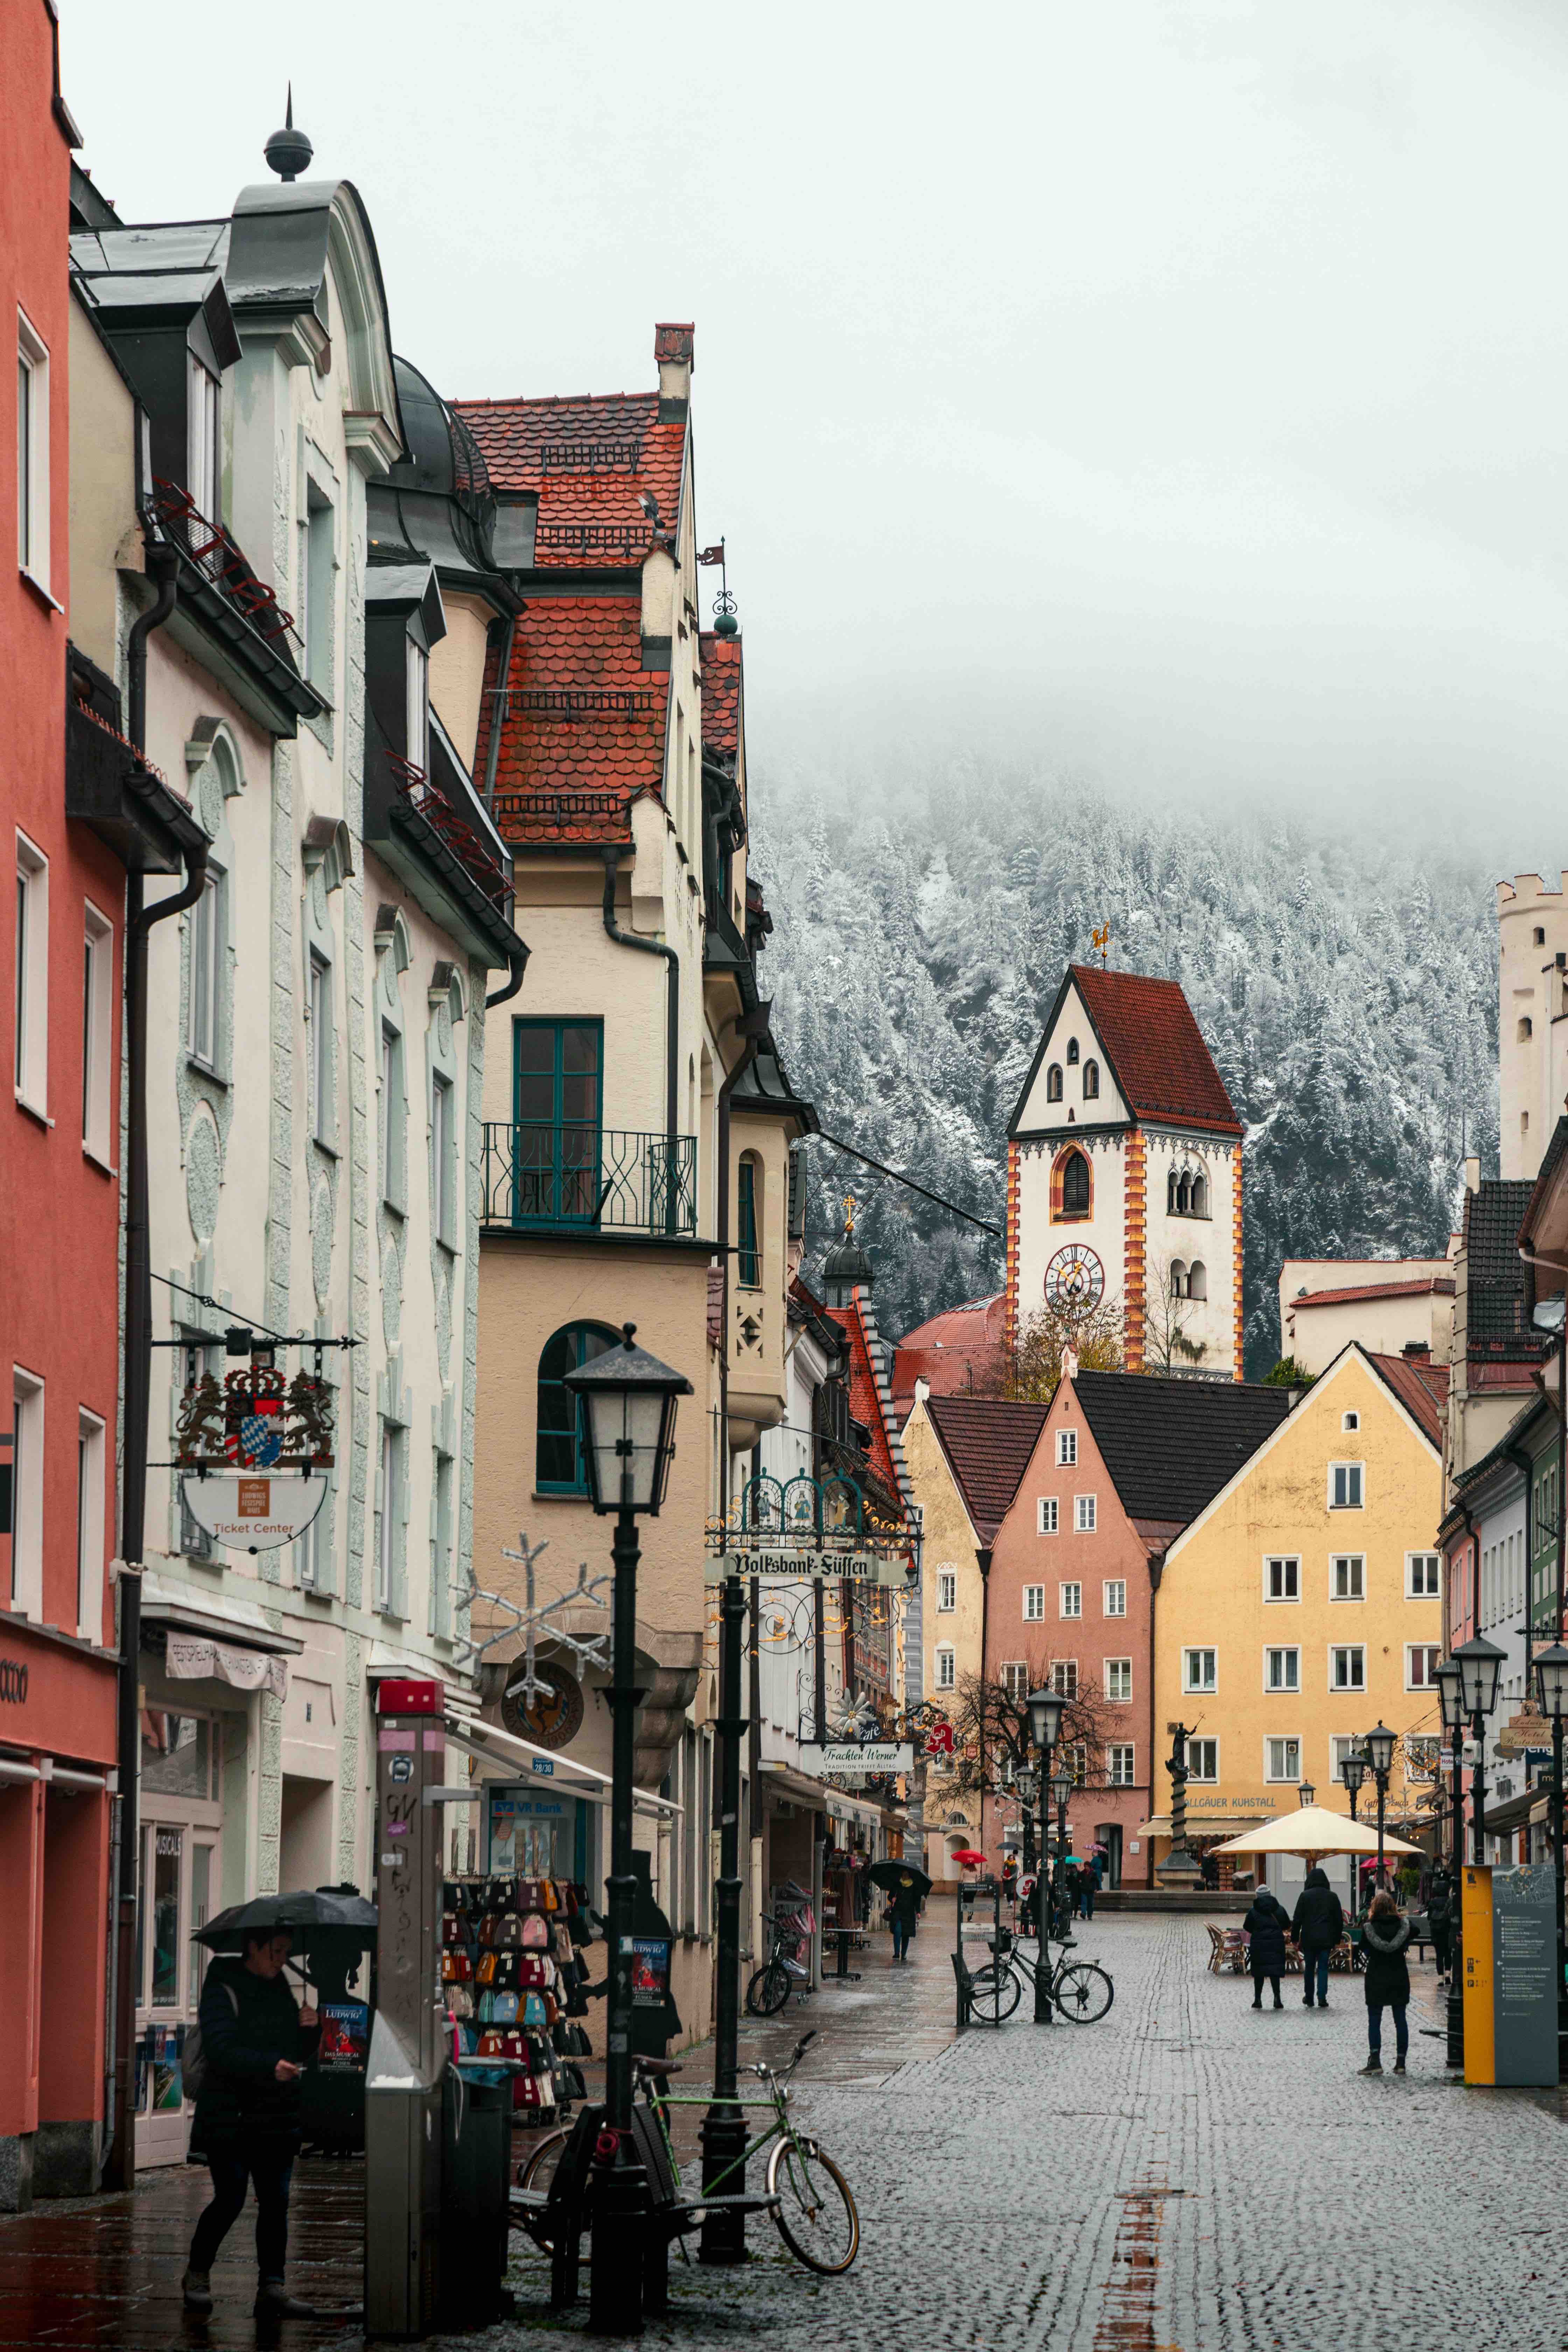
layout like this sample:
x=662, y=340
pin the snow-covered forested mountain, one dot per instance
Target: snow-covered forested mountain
x=1346, y=985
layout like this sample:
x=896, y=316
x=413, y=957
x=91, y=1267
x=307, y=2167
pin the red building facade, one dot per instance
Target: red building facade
x=59, y=1221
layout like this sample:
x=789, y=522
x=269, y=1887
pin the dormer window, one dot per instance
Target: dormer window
x=1072, y=1051
x=418, y=751
x=203, y=427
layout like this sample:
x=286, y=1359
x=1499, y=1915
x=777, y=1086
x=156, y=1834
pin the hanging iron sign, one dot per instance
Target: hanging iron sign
x=823, y=1756
x=789, y=1566
x=251, y=1513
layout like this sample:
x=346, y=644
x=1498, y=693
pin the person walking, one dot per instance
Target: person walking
x=1267, y=1926
x=1383, y=1939
x=255, y=2045
x=1440, y=1919
x=1317, y=1924
x=902, y=1904
x=1088, y=1887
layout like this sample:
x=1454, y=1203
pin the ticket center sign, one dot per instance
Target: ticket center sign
x=251, y=1512
x=795, y=1565
x=1508, y=1928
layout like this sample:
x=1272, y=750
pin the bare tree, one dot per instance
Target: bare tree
x=1167, y=1344
x=992, y=1738
x=1030, y=1374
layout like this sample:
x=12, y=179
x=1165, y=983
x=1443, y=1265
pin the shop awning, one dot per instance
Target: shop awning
x=237, y=1623
x=1159, y=1825
x=566, y=1778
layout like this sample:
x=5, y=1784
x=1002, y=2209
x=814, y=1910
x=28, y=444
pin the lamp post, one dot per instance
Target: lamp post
x=1306, y=1795
x=1044, y=1725
x=1481, y=1663
x=1552, y=1683
x=1027, y=1783
x=1451, y=1702
x=1353, y=1772
x=627, y=1405
x=1061, y=1789
x=1379, y=1747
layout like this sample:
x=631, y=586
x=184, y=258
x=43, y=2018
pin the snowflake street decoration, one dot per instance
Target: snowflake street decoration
x=537, y=1618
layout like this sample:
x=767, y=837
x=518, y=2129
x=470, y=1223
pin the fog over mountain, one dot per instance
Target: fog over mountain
x=1346, y=985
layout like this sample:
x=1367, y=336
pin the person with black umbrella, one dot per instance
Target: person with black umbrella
x=255, y=2042
x=906, y=1889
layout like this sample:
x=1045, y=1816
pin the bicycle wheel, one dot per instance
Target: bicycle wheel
x=994, y=1994
x=1083, y=1993
x=537, y=2170
x=768, y=1990
x=815, y=2214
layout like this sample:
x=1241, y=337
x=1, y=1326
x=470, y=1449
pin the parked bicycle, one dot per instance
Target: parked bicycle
x=772, y=1984
x=816, y=2214
x=1082, y=1991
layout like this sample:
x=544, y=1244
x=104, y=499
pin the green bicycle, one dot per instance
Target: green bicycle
x=816, y=2214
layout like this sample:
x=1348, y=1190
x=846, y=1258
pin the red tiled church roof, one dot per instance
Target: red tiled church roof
x=951, y=1351
x=584, y=730
x=1156, y=1047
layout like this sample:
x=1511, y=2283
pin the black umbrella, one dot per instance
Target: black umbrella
x=325, y=1910
x=891, y=1876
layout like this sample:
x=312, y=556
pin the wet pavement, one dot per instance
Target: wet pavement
x=1189, y=2175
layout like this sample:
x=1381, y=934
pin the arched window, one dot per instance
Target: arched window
x=1179, y=1279
x=1072, y=1051
x=1184, y=1194
x=1197, y=1279
x=1090, y=1081
x=1537, y=937
x=1171, y=1188
x=1054, y=1083
x=1526, y=1028
x=1200, y=1196
x=1073, y=1176
x=749, y=1262
x=560, y=1465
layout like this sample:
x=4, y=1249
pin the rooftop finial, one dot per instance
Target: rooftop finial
x=288, y=152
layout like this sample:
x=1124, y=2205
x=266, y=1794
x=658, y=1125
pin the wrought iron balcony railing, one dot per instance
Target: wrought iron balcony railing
x=472, y=852
x=218, y=553
x=571, y=1177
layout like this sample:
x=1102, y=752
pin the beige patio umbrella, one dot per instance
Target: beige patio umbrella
x=1313, y=1829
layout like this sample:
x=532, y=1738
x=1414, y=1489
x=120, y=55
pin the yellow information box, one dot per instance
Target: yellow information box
x=1478, y=1982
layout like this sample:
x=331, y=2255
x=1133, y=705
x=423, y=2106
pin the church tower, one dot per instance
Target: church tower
x=1124, y=1176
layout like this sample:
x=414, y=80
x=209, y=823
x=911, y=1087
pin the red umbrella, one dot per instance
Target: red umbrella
x=967, y=1856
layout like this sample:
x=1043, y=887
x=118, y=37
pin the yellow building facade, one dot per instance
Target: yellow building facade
x=1301, y=1607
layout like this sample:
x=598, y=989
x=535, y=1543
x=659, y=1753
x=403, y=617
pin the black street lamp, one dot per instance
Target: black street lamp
x=1306, y=1795
x=626, y=1404
x=1552, y=1683
x=1027, y=1783
x=1481, y=1663
x=1379, y=1749
x=1046, y=1708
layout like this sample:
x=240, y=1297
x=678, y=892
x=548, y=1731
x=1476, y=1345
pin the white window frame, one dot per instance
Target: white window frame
x=1282, y=1650
x=1066, y=1448
x=1282, y=1740
x=1122, y=1764
x=27, y=1428
x=90, y=1473
x=1113, y=1596
x=1064, y=1670
x=1426, y=1650
x=323, y=1125
x=1411, y=1558
x=1343, y=1744
x=30, y=1067
x=393, y=1118
x=1014, y=1677
x=204, y=998
x=1194, y=1771
x=1049, y=1515
x=419, y=720
x=1202, y=1688
x=34, y=521
x=1350, y=1650
x=317, y=577
x=1119, y=1680
x=1070, y=1600
x=203, y=438
x=386, y=1543
x=1359, y=1470
x=1347, y=1559
x=443, y=1172
x=946, y=1667
x=1281, y=1560
x=97, y=1032
x=1033, y=1604
x=946, y=1591
x=1085, y=1513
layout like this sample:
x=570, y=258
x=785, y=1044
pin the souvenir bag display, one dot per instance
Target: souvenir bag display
x=485, y=1974
x=535, y=2012
x=504, y=2006
x=456, y=1968
x=485, y=2007
x=459, y=2000
x=532, y=1971
x=535, y=1933
x=508, y=1930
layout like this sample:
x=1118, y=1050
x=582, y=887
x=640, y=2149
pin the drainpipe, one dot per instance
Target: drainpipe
x=671, y=1030
x=163, y=563
x=983, y=1553
x=1156, y=1571
x=518, y=960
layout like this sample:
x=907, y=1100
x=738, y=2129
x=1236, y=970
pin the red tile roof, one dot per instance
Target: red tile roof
x=584, y=732
x=721, y=660
x=988, y=1443
x=951, y=1351
x=1422, y=1388
x=1440, y=1284
x=1156, y=1047
x=587, y=457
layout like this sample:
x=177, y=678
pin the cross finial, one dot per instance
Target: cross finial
x=848, y=1215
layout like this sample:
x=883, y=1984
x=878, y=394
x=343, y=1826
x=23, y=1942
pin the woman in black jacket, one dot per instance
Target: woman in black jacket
x=255, y=2044
x=1385, y=1936
x=1267, y=1926
x=1317, y=1924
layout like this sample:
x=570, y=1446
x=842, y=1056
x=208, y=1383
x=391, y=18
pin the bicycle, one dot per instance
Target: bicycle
x=769, y=1988
x=816, y=2215
x=1080, y=1990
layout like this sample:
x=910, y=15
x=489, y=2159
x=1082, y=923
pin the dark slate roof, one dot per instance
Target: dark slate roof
x=1171, y=1444
x=988, y=1442
x=1496, y=1300
x=1545, y=1180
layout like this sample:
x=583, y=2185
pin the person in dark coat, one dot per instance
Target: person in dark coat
x=1440, y=1919
x=1267, y=1927
x=903, y=1906
x=1383, y=1939
x=255, y=2044
x=1317, y=1924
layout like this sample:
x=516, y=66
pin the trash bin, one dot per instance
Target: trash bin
x=476, y=2179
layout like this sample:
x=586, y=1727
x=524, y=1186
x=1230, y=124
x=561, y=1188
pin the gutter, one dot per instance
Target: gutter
x=671, y=1020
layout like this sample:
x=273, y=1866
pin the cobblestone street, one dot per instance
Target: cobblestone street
x=1188, y=2174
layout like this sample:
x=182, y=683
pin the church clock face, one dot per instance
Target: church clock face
x=1075, y=1279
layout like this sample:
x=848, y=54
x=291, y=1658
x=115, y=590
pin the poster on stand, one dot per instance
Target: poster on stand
x=1508, y=1925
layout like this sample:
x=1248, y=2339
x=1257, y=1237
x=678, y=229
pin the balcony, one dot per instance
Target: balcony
x=112, y=789
x=237, y=615
x=589, y=1180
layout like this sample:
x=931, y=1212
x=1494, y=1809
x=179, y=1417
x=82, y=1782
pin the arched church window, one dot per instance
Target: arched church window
x=1526, y=1028
x=1090, y=1081
x=1200, y=1197
x=1054, y=1083
x=1075, y=1185
x=1197, y=1279
x=1171, y=1182
x=1178, y=1279
x=1072, y=1051
x=1184, y=1194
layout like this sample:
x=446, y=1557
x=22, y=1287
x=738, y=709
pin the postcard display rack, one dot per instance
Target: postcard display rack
x=515, y=1984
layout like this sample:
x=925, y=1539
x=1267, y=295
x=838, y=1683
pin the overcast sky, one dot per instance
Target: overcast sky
x=1174, y=392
